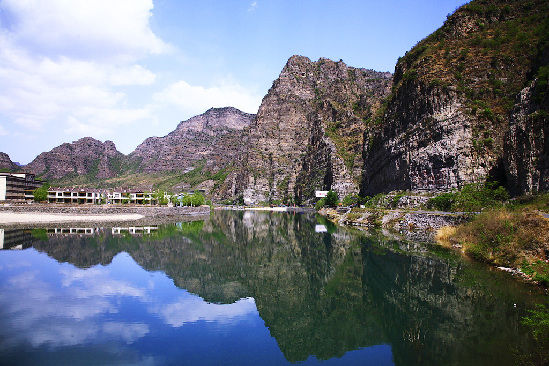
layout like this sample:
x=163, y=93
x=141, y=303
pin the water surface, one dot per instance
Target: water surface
x=252, y=288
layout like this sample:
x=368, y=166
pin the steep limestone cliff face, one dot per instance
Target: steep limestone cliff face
x=6, y=163
x=308, y=132
x=424, y=143
x=445, y=121
x=213, y=138
x=85, y=157
x=527, y=144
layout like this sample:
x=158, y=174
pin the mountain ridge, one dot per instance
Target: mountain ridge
x=468, y=103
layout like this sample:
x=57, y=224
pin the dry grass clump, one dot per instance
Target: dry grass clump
x=504, y=237
x=444, y=234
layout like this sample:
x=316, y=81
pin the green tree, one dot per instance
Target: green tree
x=197, y=199
x=41, y=194
x=320, y=203
x=332, y=199
x=160, y=197
x=350, y=199
x=174, y=199
x=186, y=199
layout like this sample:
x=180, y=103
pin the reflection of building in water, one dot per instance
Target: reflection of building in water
x=133, y=230
x=73, y=231
x=15, y=239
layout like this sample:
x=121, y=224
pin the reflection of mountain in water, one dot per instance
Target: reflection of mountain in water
x=324, y=294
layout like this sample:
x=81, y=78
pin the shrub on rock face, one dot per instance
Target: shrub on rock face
x=442, y=202
x=351, y=199
x=472, y=197
x=332, y=199
x=320, y=203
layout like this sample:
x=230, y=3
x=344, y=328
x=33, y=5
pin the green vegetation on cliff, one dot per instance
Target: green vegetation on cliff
x=488, y=49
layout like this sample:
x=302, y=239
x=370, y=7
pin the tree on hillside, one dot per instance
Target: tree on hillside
x=160, y=197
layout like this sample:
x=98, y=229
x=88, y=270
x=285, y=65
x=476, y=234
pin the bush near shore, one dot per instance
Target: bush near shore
x=505, y=236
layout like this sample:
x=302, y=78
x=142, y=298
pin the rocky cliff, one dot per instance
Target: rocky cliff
x=214, y=138
x=527, y=142
x=86, y=157
x=6, y=163
x=453, y=95
x=210, y=146
x=308, y=132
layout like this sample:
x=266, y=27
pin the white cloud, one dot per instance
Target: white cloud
x=192, y=309
x=128, y=332
x=3, y=131
x=63, y=64
x=95, y=283
x=82, y=28
x=195, y=99
x=253, y=6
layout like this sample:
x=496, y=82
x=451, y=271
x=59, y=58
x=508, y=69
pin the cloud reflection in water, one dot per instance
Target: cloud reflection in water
x=59, y=305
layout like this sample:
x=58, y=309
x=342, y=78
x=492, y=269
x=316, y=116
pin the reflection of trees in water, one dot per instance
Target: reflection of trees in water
x=324, y=294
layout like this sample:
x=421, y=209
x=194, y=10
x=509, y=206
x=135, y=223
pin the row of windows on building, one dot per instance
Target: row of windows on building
x=19, y=187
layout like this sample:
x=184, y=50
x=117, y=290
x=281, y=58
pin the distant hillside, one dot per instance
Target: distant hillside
x=6, y=164
x=84, y=160
x=200, y=153
x=212, y=139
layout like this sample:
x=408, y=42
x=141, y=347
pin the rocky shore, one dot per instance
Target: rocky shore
x=412, y=224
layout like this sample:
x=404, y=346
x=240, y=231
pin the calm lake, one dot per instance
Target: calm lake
x=251, y=288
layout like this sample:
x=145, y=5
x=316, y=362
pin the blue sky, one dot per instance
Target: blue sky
x=128, y=69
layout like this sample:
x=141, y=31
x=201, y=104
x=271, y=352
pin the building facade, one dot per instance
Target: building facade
x=73, y=195
x=17, y=187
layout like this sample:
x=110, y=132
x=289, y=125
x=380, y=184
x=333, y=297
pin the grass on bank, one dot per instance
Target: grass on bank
x=517, y=238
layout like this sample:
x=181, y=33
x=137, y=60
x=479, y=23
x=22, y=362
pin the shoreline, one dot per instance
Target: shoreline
x=270, y=209
x=42, y=214
x=417, y=225
x=13, y=218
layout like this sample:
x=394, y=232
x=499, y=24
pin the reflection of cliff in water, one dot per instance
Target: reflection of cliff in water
x=434, y=309
x=325, y=294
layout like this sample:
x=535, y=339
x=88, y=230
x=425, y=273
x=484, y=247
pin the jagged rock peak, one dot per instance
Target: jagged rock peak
x=213, y=140
x=85, y=156
x=6, y=163
x=308, y=132
x=226, y=117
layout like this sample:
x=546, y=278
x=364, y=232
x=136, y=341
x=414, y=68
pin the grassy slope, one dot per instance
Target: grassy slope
x=130, y=177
